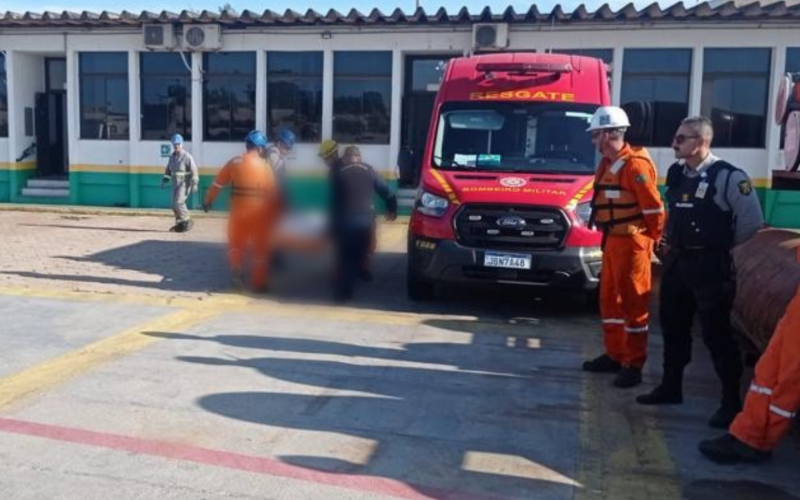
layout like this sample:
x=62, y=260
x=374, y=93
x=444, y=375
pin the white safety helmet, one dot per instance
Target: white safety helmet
x=609, y=117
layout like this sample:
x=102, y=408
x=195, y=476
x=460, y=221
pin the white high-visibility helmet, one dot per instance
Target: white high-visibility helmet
x=609, y=117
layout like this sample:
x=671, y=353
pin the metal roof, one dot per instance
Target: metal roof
x=703, y=12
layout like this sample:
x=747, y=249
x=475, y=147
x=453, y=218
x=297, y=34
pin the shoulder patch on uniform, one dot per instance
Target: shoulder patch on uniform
x=236, y=159
x=641, y=178
x=745, y=187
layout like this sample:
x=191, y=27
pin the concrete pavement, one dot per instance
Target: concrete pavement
x=127, y=368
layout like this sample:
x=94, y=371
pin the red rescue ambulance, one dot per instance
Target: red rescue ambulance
x=507, y=175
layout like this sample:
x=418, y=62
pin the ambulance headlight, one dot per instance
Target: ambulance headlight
x=584, y=211
x=430, y=204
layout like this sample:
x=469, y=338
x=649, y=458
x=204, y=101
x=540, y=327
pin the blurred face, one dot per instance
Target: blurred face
x=688, y=142
x=606, y=143
x=284, y=148
x=330, y=159
x=177, y=148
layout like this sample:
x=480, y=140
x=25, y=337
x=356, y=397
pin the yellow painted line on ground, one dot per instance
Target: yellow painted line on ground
x=54, y=372
x=623, y=453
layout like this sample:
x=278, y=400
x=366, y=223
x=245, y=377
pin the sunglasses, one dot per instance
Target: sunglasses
x=680, y=138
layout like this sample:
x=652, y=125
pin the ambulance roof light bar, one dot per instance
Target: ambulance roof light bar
x=522, y=68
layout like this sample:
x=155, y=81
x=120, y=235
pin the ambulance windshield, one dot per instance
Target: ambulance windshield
x=515, y=137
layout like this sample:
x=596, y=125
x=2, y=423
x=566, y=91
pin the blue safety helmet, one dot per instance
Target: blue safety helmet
x=287, y=137
x=176, y=139
x=256, y=138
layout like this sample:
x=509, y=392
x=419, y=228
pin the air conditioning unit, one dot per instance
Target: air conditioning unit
x=489, y=36
x=203, y=37
x=158, y=36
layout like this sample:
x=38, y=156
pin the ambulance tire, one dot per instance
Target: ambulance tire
x=418, y=289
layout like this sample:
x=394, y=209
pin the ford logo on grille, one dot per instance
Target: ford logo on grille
x=511, y=221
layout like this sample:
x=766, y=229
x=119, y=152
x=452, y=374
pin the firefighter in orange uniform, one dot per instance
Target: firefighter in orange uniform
x=627, y=208
x=773, y=399
x=252, y=210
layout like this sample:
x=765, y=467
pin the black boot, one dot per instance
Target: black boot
x=670, y=392
x=724, y=416
x=628, y=377
x=602, y=364
x=728, y=450
x=237, y=279
x=365, y=275
x=188, y=225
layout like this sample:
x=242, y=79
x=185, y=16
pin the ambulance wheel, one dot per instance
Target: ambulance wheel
x=418, y=290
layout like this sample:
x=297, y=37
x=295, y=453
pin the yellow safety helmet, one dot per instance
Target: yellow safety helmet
x=327, y=148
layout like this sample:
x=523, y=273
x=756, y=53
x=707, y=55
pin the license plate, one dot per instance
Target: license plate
x=507, y=260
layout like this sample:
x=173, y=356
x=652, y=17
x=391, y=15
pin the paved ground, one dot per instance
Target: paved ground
x=126, y=368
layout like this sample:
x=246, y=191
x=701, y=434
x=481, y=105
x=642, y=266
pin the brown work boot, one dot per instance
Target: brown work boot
x=602, y=364
x=727, y=450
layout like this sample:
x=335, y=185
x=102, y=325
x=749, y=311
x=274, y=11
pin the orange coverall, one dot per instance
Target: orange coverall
x=252, y=218
x=627, y=207
x=774, y=396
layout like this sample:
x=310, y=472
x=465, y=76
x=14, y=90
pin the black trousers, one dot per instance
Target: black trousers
x=352, y=247
x=701, y=283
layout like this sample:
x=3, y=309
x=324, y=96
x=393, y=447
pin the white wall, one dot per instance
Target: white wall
x=25, y=80
x=401, y=41
x=4, y=156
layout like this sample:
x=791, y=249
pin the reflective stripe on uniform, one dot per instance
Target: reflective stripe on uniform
x=780, y=411
x=220, y=186
x=653, y=211
x=614, y=321
x=637, y=329
x=760, y=390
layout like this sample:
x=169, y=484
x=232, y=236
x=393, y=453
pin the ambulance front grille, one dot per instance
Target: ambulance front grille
x=502, y=227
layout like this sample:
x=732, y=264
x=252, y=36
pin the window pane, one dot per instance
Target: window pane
x=104, y=95
x=657, y=61
x=426, y=74
x=793, y=60
x=655, y=92
x=736, y=60
x=294, y=64
x=164, y=63
x=736, y=98
x=3, y=98
x=166, y=108
x=57, y=74
x=104, y=63
x=363, y=63
x=166, y=96
x=229, y=108
x=605, y=55
x=294, y=93
x=230, y=63
x=362, y=97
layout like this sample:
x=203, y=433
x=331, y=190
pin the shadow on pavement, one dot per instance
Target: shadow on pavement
x=432, y=410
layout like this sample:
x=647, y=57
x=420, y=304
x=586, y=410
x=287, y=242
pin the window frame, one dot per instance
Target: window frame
x=361, y=77
x=161, y=77
x=319, y=78
x=711, y=76
x=250, y=76
x=655, y=75
x=106, y=76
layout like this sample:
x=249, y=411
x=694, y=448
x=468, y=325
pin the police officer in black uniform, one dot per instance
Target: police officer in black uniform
x=353, y=185
x=712, y=208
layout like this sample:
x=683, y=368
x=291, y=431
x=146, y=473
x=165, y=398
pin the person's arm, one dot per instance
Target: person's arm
x=644, y=182
x=222, y=179
x=194, y=171
x=384, y=191
x=745, y=206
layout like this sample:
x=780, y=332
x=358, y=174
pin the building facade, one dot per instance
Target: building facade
x=86, y=107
